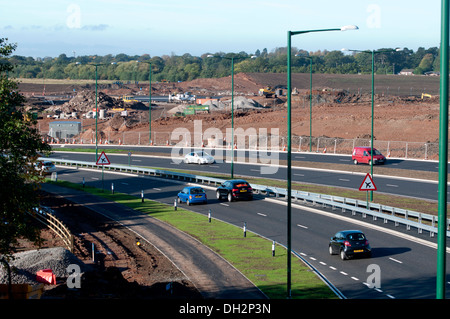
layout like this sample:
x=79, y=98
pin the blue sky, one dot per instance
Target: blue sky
x=52, y=27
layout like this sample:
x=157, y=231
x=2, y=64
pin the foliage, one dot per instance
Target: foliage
x=186, y=67
x=20, y=145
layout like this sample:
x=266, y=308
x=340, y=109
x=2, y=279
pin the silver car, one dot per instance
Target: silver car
x=199, y=157
x=45, y=167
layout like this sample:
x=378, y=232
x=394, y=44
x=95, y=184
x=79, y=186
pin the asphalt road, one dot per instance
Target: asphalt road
x=392, y=185
x=406, y=260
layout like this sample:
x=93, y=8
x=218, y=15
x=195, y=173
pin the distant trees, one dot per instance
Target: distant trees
x=187, y=67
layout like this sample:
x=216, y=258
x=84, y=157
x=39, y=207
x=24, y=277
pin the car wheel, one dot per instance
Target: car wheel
x=355, y=162
x=330, y=250
x=230, y=197
x=188, y=203
x=179, y=200
x=343, y=255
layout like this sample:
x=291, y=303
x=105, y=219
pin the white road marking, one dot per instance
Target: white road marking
x=397, y=261
x=261, y=214
x=302, y=226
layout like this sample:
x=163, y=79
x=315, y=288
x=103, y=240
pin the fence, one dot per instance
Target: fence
x=398, y=216
x=398, y=149
x=46, y=216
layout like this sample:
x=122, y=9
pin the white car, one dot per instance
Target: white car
x=199, y=157
x=45, y=167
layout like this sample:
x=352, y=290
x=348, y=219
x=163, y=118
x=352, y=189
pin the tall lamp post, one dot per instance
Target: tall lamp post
x=289, y=163
x=96, y=108
x=232, y=102
x=149, y=101
x=310, y=99
x=443, y=155
x=372, y=52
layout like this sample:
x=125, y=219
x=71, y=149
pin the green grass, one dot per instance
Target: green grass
x=252, y=255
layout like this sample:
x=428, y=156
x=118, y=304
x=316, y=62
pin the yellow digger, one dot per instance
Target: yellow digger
x=267, y=92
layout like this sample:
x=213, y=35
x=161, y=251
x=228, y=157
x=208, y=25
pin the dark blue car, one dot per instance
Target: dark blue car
x=191, y=195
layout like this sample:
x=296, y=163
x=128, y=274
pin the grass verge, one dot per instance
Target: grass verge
x=251, y=255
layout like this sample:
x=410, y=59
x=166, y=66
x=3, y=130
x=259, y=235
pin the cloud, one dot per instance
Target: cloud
x=98, y=27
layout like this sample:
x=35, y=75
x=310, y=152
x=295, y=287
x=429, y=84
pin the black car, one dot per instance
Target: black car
x=350, y=243
x=235, y=189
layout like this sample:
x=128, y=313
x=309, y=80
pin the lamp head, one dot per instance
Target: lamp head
x=349, y=27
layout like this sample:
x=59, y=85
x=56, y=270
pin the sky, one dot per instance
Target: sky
x=165, y=27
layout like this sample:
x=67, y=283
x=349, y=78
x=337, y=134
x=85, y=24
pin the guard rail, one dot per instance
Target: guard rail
x=398, y=216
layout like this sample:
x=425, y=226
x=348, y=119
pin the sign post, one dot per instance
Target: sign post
x=367, y=185
x=103, y=160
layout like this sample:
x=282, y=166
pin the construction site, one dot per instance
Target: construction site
x=336, y=113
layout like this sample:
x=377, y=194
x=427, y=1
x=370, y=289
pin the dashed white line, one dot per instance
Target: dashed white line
x=156, y=189
x=322, y=263
x=354, y=278
x=223, y=204
x=397, y=261
x=391, y=185
x=299, y=174
x=344, y=179
x=333, y=268
x=312, y=258
x=261, y=214
x=344, y=273
x=302, y=226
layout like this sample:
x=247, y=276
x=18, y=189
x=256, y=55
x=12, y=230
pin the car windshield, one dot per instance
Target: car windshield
x=197, y=190
x=356, y=236
x=376, y=152
x=202, y=154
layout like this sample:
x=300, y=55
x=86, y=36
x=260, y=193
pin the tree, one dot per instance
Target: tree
x=20, y=146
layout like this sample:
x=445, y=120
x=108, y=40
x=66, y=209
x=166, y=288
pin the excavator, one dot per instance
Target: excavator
x=267, y=92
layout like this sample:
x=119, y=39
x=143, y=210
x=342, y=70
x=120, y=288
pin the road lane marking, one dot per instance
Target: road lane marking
x=344, y=179
x=322, y=263
x=223, y=204
x=397, y=261
x=156, y=189
x=312, y=258
x=261, y=214
x=344, y=273
x=333, y=268
x=302, y=226
x=95, y=178
x=299, y=174
x=354, y=278
x=391, y=185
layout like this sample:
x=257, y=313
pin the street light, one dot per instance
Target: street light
x=310, y=98
x=443, y=155
x=372, y=52
x=289, y=164
x=232, y=58
x=96, y=108
x=149, y=101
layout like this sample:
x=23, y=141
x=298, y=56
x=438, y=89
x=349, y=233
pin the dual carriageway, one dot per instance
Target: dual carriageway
x=406, y=258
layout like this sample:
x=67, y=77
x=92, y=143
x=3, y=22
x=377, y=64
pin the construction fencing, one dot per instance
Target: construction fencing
x=398, y=149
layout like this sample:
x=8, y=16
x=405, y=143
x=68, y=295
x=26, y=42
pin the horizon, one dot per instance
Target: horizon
x=100, y=27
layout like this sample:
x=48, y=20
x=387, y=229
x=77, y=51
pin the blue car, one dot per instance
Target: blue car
x=191, y=195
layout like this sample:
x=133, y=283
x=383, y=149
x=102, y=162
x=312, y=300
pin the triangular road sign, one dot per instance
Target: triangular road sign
x=103, y=159
x=367, y=184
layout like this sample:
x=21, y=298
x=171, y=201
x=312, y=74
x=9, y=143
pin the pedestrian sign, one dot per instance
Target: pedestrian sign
x=103, y=159
x=368, y=184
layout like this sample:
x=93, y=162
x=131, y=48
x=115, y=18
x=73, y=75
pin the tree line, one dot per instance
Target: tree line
x=123, y=67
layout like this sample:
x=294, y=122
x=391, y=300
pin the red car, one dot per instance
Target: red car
x=363, y=155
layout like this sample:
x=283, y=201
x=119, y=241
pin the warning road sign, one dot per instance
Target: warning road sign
x=103, y=159
x=367, y=184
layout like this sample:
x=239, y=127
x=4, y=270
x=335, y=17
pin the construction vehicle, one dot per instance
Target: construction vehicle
x=129, y=99
x=267, y=92
x=426, y=95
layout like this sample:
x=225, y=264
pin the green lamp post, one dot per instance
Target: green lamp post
x=289, y=155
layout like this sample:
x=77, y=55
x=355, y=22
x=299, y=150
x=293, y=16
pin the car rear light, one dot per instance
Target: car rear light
x=367, y=243
x=235, y=190
x=347, y=243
